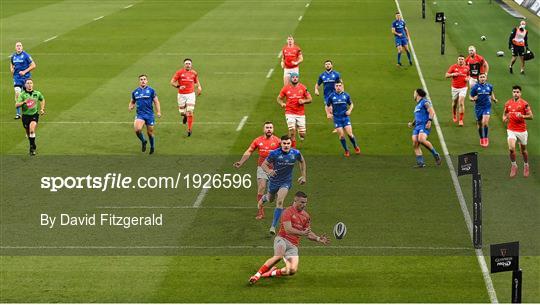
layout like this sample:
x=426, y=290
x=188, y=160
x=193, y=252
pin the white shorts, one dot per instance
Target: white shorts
x=296, y=121
x=261, y=174
x=472, y=81
x=287, y=72
x=186, y=102
x=519, y=136
x=285, y=248
x=458, y=92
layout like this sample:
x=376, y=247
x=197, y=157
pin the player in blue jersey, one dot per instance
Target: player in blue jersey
x=339, y=107
x=21, y=63
x=423, y=115
x=328, y=78
x=481, y=95
x=401, y=37
x=279, y=166
x=144, y=97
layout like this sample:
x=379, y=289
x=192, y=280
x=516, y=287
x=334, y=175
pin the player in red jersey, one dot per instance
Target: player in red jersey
x=477, y=64
x=295, y=223
x=291, y=57
x=265, y=144
x=516, y=111
x=293, y=97
x=185, y=80
x=460, y=74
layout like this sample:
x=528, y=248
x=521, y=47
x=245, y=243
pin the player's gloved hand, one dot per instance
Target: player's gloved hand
x=302, y=180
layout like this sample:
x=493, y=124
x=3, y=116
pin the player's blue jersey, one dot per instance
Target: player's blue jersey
x=483, y=91
x=283, y=163
x=20, y=61
x=329, y=79
x=421, y=114
x=339, y=103
x=399, y=27
x=144, y=98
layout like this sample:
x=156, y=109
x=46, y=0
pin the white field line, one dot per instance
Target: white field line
x=269, y=73
x=236, y=247
x=176, y=123
x=128, y=6
x=144, y=207
x=197, y=54
x=242, y=123
x=97, y=18
x=300, y=18
x=279, y=54
x=307, y=4
x=50, y=38
x=479, y=253
x=200, y=197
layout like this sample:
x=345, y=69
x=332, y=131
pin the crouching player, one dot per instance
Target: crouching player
x=423, y=116
x=145, y=98
x=339, y=107
x=295, y=223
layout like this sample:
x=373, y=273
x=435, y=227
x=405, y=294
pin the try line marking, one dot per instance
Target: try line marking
x=269, y=73
x=242, y=123
x=479, y=253
x=51, y=38
x=128, y=6
x=97, y=18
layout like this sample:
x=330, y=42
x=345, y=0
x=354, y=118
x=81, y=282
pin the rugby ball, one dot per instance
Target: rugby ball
x=340, y=230
x=500, y=53
x=469, y=2
x=483, y=37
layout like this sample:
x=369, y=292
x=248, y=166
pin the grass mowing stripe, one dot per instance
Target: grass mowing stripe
x=479, y=253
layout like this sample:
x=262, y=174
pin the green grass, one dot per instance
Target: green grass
x=88, y=72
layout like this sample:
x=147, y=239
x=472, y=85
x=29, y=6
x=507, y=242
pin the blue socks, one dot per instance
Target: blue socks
x=419, y=160
x=486, y=132
x=277, y=215
x=409, y=56
x=434, y=152
x=151, y=141
x=18, y=109
x=399, y=58
x=353, y=141
x=141, y=137
x=343, y=143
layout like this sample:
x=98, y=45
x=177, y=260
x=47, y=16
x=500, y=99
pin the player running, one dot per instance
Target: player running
x=185, y=80
x=328, y=78
x=516, y=111
x=265, y=144
x=145, y=98
x=460, y=74
x=482, y=94
x=477, y=64
x=293, y=97
x=279, y=167
x=295, y=223
x=401, y=37
x=21, y=63
x=291, y=57
x=32, y=104
x=339, y=107
x=423, y=116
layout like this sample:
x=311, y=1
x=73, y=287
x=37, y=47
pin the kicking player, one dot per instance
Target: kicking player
x=145, y=98
x=291, y=57
x=482, y=94
x=477, y=64
x=279, y=167
x=401, y=37
x=459, y=73
x=265, y=144
x=185, y=80
x=21, y=63
x=293, y=97
x=516, y=111
x=339, y=107
x=423, y=116
x=32, y=104
x=295, y=223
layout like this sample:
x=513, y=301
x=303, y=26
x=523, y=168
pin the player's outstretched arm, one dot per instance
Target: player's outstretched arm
x=244, y=158
x=323, y=239
x=287, y=225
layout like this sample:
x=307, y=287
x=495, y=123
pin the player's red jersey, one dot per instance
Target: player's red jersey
x=265, y=146
x=300, y=220
x=512, y=108
x=476, y=65
x=293, y=94
x=188, y=79
x=459, y=81
x=290, y=54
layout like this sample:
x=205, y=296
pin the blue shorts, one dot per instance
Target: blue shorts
x=18, y=81
x=148, y=119
x=401, y=41
x=273, y=187
x=420, y=129
x=481, y=111
x=341, y=122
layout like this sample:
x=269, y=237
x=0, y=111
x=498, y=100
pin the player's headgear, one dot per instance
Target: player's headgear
x=292, y=74
x=421, y=92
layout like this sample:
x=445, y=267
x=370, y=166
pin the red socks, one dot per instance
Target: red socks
x=189, y=122
x=461, y=116
x=293, y=143
x=513, y=156
x=525, y=157
x=263, y=269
